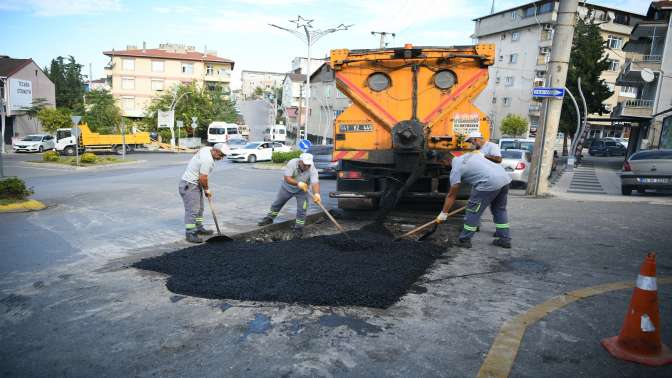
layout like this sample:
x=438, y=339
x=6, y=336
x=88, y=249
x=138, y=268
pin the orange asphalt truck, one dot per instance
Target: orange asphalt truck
x=409, y=105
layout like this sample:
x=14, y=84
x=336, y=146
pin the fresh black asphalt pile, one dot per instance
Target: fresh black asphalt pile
x=371, y=270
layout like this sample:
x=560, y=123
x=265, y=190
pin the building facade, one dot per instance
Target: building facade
x=294, y=102
x=22, y=81
x=647, y=69
x=267, y=81
x=523, y=36
x=137, y=75
x=326, y=103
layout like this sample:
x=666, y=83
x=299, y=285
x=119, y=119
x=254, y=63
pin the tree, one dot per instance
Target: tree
x=34, y=108
x=587, y=61
x=207, y=105
x=514, y=125
x=258, y=92
x=102, y=113
x=54, y=118
x=68, y=79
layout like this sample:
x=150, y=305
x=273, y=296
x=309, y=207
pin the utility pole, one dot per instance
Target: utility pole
x=298, y=136
x=309, y=35
x=542, y=157
x=383, y=36
x=3, y=112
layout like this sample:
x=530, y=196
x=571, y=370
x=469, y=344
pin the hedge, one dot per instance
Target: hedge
x=51, y=156
x=88, y=157
x=283, y=157
x=14, y=188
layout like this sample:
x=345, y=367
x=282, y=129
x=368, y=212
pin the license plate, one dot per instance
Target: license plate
x=653, y=180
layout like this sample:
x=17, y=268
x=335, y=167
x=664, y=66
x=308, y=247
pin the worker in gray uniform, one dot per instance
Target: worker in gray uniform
x=298, y=175
x=490, y=187
x=194, y=185
x=490, y=150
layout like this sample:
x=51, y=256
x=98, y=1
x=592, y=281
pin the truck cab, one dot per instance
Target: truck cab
x=66, y=142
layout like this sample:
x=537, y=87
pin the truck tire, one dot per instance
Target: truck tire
x=69, y=151
x=626, y=190
x=119, y=149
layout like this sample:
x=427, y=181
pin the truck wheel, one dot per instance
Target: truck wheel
x=252, y=159
x=119, y=150
x=69, y=151
x=626, y=190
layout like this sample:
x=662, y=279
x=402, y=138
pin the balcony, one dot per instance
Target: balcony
x=534, y=108
x=638, y=108
x=641, y=61
x=543, y=59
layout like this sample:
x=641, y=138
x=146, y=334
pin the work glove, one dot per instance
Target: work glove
x=317, y=198
x=442, y=217
x=303, y=186
x=208, y=193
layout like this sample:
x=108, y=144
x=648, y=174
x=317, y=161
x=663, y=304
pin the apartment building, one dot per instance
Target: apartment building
x=137, y=75
x=326, y=103
x=294, y=101
x=647, y=69
x=523, y=36
x=267, y=81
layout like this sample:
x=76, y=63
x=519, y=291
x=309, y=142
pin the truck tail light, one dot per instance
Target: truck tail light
x=520, y=166
x=626, y=166
x=350, y=175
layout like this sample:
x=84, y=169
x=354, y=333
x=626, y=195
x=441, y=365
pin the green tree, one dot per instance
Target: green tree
x=54, y=118
x=587, y=61
x=514, y=125
x=102, y=113
x=258, y=92
x=68, y=79
x=207, y=105
x=34, y=108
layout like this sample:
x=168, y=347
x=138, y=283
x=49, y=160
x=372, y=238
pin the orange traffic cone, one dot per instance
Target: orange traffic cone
x=639, y=340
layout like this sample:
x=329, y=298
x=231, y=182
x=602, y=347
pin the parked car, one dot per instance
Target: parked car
x=234, y=144
x=622, y=141
x=516, y=144
x=257, y=151
x=604, y=147
x=648, y=169
x=323, y=159
x=35, y=143
x=517, y=164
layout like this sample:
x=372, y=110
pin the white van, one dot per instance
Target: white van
x=221, y=132
x=277, y=133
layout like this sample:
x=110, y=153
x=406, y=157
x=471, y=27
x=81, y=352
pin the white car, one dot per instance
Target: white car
x=622, y=141
x=517, y=164
x=233, y=144
x=35, y=143
x=257, y=151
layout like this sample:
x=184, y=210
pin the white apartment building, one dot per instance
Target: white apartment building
x=523, y=36
x=267, y=81
x=294, y=101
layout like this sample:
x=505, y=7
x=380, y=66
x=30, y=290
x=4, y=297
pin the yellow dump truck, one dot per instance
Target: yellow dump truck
x=66, y=141
x=409, y=105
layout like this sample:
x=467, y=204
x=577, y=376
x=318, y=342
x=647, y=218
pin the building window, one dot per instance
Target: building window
x=187, y=68
x=515, y=36
x=613, y=65
x=128, y=64
x=494, y=100
x=157, y=66
x=157, y=85
x=508, y=81
x=503, y=36
x=209, y=70
x=497, y=80
x=501, y=58
x=614, y=42
x=513, y=58
x=628, y=92
x=506, y=101
x=514, y=14
x=128, y=103
x=127, y=83
x=620, y=18
x=223, y=73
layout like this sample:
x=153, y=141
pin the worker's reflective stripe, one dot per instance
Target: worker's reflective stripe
x=646, y=283
x=198, y=220
x=501, y=225
x=470, y=228
x=274, y=213
x=190, y=226
x=473, y=207
x=305, y=204
x=300, y=221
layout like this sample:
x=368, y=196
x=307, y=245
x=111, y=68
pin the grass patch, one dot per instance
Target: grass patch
x=71, y=160
x=11, y=201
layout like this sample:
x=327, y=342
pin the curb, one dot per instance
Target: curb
x=22, y=207
x=82, y=168
x=267, y=167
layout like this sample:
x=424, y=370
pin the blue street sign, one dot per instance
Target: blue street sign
x=304, y=145
x=548, y=92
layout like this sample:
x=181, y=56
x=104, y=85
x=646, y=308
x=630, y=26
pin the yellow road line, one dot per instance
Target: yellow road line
x=502, y=354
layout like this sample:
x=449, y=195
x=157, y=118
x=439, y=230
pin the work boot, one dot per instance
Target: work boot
x=265, y=221
x=200, y=230
x=297, y=233
x=192, y=237
x=504, y=243
x=466, y=243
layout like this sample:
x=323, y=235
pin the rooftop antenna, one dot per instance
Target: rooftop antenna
x=492, y=8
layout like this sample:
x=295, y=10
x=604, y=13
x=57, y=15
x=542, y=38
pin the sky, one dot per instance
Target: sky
x=236, y=29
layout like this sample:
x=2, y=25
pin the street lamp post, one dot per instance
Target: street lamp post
x=309, y=35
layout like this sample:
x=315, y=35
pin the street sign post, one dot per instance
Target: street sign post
x=304, y=145
x=194, y=125
x=75, y=132
x=548, y=92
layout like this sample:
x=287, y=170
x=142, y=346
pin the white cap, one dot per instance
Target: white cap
x=306, y=158
x=474, y=134
x=220, y=147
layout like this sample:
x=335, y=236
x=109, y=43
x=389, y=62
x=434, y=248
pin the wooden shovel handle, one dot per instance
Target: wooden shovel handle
x=428, y=224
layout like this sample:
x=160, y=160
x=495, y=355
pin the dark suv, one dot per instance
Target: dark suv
x=605, y=147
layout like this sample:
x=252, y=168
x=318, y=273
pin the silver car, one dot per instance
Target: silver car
x=648, y=169
x=517, y=164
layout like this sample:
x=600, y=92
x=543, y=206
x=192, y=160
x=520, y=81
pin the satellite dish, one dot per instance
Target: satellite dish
x=647, y=75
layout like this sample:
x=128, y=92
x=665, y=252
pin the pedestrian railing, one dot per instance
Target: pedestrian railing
x=639, y=103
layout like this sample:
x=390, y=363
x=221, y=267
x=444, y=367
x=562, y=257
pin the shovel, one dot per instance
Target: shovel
x=333, y=220
x=219, y=237
x=426, y=226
